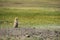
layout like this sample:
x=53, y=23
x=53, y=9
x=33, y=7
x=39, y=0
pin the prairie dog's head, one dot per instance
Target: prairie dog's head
x=16, y=18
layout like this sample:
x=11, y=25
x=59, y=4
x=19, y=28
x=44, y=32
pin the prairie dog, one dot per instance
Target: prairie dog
x=16, y=22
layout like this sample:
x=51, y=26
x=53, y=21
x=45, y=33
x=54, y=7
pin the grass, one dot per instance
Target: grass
x=29, y=16
x=30, y=3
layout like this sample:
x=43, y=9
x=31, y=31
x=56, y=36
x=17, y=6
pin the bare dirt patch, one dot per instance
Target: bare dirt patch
x=29, y=34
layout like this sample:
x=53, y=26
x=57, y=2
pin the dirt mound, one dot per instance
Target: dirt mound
x=23, y=33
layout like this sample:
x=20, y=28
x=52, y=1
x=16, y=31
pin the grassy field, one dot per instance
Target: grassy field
x=29, y=17
x=30, y=12
x=30, y=3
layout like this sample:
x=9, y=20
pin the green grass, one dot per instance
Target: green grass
x=29, y=16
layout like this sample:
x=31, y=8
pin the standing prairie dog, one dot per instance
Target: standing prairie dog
x=16, y=22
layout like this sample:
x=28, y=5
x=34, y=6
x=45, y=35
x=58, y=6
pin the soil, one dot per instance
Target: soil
x=23, y=33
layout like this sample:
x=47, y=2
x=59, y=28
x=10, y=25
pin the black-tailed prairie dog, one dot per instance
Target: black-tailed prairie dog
x=15, y=22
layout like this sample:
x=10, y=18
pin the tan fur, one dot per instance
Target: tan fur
x=16, y=22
